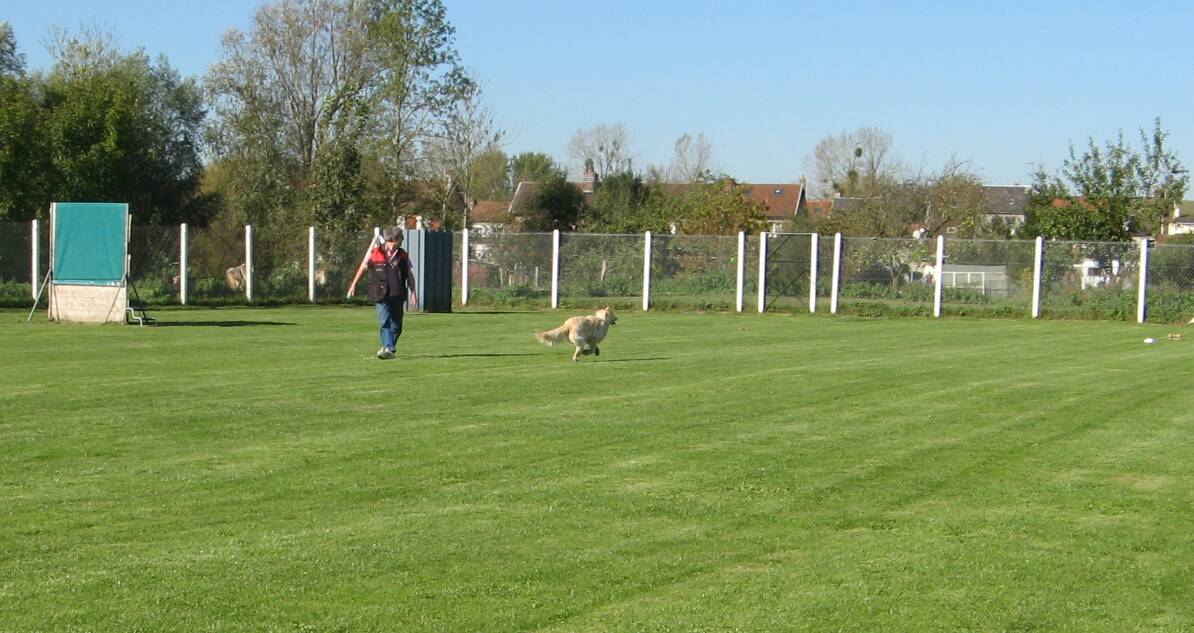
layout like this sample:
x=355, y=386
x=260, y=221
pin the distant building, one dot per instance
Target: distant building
x=1182, y=221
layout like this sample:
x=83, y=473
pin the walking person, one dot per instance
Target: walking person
x=390, y=276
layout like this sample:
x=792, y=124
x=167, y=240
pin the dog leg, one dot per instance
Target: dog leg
x=596, y=351
x=576, y=355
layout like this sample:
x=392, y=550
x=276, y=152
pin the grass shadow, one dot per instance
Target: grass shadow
x=475, y=355
x=218, y=323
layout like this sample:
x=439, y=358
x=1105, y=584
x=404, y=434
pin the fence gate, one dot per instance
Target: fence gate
x=788, y=264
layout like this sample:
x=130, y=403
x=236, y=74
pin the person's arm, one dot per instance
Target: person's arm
x=352, y=288
x=410, y=283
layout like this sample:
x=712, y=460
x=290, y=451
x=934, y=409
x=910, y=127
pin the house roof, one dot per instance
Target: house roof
x=490, y=211
x=1001, y=200
x=522, y=196
x=779, y=201
x=845, y=204
x=819, y=208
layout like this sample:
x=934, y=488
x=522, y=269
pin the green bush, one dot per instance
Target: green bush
x=16, y=294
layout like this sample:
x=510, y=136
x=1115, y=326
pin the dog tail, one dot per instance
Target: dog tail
x=551, y=337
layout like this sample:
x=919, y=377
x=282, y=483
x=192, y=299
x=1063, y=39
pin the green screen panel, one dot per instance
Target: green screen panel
x=90, y=243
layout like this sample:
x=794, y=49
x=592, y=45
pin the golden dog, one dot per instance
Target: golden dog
x=584, y=332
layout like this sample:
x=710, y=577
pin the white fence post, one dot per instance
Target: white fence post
x=249, y=263
x=182, y=263
x=836, y=278
x=311, y=264
x=762, y=271
x=741, y=270
x=940, y=274
x=812, y=273
x=1142, y=286
x=1037, y=269
x=555, y=268
x=646, y=271
x=464, y=267
x=35, y=255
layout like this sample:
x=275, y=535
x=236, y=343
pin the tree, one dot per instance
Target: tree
x=25, y=168
x=556, y=205
x=692, y=159
x=420, y=77
x=622, y=205
x=491, y=175
x=328, y=80
x=11, y=62
x=854, y=163
x=717, y=206
x=607, y=145
x=120, y=128
x=300, y=74
x=24, y=163
x=466, y=136
x=533, y=167
x=889, y=211
x=1109, y=192
x=955, y=196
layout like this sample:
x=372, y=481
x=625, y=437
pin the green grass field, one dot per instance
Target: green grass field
x=258, y=470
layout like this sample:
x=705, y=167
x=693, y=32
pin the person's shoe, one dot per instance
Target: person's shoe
x=385, y=354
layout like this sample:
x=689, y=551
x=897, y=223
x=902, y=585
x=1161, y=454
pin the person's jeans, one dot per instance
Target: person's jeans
x=389, y=316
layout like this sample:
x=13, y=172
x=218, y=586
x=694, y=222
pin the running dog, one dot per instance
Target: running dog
x=584, y=332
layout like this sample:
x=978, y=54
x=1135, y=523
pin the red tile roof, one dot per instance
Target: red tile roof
x=780, y=201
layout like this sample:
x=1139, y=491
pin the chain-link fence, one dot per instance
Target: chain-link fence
x=694, y=271
x=984, y=277
x=788, y=265
x=889, y=276
x=885, y=276
x=154, y=265
x=1093, y=280
x=1170, y=283
x=601, y=269
x=508, y=268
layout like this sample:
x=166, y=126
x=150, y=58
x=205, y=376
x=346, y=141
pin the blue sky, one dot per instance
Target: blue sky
x=1002, y=86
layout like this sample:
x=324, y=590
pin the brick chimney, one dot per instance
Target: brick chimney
x=591, y=180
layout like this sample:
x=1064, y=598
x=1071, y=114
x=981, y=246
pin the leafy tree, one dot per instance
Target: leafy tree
x=11, y=62
x=715, y=207
x=1054, y=213
x=300, y=73
x=533, y=167
x=337, y=188
x=956, y=196
x=419, y=80
x=621, y=205
x=24, y=162
x=120, y=128
x=1109, y=192
x=491, y=180
x=890, y=211
x=556, y=205
x=320, y=90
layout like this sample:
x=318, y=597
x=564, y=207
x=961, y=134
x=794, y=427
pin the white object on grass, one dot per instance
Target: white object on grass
x=1150, y=340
